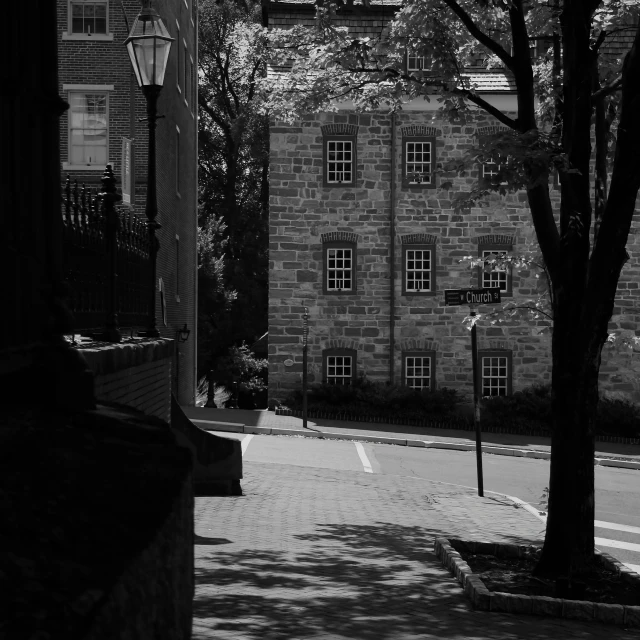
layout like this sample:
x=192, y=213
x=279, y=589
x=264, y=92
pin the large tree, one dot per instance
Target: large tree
x=233, y=179
x=576, y=102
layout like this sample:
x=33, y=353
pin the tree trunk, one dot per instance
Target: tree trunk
x=568, y=547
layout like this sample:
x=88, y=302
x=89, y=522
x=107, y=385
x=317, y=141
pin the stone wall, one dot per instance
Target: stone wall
x=135, y=374
x=303, y=212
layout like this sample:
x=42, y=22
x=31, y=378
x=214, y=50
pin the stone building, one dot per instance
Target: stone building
x=364, y=234
x=106, y=109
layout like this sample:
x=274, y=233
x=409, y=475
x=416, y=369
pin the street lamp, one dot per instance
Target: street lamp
x=148, y=46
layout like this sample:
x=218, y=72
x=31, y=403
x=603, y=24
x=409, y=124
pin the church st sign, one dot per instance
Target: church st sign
x=472, y=296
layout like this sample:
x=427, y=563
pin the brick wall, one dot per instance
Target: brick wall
x=136, y=374
x=302, y=211
x=105, y=62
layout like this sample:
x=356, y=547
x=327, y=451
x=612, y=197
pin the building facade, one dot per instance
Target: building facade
x=107, y=112
x=363, y=233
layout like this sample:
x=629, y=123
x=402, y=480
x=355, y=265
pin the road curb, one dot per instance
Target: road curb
x=211, y=425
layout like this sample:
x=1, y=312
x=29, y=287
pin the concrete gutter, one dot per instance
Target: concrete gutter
x=233, y=427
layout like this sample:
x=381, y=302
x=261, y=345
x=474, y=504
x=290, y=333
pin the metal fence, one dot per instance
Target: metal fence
x=106, y=261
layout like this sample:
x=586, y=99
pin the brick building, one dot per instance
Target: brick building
x=364, y=234
x=106, y=106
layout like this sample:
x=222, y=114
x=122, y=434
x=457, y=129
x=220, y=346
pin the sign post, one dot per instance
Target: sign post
x=456, y=297
x=305, y=334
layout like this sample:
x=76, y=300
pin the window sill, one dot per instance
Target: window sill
x=98, y=37
x=85, y=167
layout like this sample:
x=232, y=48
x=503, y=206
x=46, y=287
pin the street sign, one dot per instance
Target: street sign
x=472, y=296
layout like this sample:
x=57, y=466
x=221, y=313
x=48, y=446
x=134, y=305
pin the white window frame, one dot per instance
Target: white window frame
x=69, y=34
x=415, y=63
x=178, y=161
x=423, y=177
x=84, y=89
x=186, y=74
x=194, y=88
x=499, y=276
x=410, y=358
x=488, y=170
x=491, y=376
x=409, y=250
x=344, y=362
x=337, y=273
x=177, y=268
x=347, y=165
x=178, y=63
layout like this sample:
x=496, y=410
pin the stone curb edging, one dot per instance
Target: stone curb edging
x=485, y=600
x=234, y=427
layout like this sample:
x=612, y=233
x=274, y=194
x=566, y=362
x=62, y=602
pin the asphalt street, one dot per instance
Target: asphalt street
x=617, y=490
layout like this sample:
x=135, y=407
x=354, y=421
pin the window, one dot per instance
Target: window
x=491, y=168
x=177, y=268
x=88, y=19
x=187, y=76
x=339, y=366
x=178, y=58
x=418, y=155
x=177, y=161
x=495, y=372
x=499, y=276
x=418, y=370
x=88, y=128
x=415, y=63
x=419, y=270
x=339, y=267
x=339, y=160
x=194, y=88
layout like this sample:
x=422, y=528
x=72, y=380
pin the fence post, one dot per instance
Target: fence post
x=109, y=197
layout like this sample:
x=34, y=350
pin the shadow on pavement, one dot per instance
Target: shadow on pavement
x=369, y=582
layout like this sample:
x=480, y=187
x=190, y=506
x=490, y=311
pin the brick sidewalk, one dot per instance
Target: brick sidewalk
x=316, y=553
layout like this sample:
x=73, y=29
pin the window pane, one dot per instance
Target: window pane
x=418, y=270
x=339, y=370
x=88, y=128
x=418, y=162
x=339, y=161
x=339, y=269
x=494, y=376
x=499, y=276
x=418, y=372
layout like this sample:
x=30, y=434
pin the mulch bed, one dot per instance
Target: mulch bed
x=515, y=575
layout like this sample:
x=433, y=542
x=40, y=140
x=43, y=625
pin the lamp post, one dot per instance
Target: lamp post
x=148, y=46
x=305, y=337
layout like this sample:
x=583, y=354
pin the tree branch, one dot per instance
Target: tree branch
x=608, y=89
x=481, y=37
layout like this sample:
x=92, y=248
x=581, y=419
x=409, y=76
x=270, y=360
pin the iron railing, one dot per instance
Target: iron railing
x=106, y=261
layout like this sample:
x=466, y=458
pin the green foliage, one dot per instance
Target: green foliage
x=531, y=409
x=379, y=399
x=240, y=366
x=233, y=180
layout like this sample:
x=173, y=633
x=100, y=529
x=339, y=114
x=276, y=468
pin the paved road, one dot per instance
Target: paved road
x=617, y=490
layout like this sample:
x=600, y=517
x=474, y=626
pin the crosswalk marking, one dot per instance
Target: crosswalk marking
x=616, y=527
x=617, y=544
x=245, y=442
x=363, y=458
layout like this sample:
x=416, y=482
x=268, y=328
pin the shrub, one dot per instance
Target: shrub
x=618, y=417
x=378, y=399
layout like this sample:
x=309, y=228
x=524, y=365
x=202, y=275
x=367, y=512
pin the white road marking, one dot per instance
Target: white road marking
x=633, y=567
x=617, y=544
x=245, y=442
x=616, y=527
x=363, y=457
